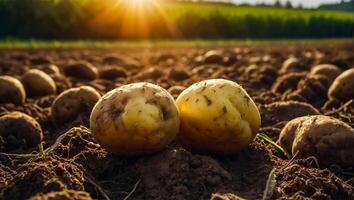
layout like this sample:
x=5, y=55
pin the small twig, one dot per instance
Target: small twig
x=133, y=190
x=315, y=160
x=340, y=108
x=100, y=189
x=269, y=189
x=292, y=159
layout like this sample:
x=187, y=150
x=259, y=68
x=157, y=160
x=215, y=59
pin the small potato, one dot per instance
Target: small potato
x=212, y=57
x=218, y=116
x=328, y=70
x=11, y=91
x=178, y=75
x=287, y=82
x=19, y=130
x=330, y=140
x=84, y=71
x=134, y=119
x=343, y=86
x=150, y=73
x=72, y=102
x=38, y=83
x=292, y=65
x=111, y=73
x=50, y=69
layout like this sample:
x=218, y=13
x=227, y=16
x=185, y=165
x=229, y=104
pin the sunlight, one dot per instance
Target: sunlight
x=138, y=19
x=139, y=3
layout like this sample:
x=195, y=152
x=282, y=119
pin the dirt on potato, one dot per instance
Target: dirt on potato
x=74, y=166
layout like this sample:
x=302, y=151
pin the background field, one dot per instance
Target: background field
x=96, y=19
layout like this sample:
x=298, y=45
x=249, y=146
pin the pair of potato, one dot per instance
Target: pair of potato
x=210, y=116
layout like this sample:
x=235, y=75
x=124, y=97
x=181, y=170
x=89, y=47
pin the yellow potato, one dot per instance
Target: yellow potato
x=217, y=116
x=135, y=119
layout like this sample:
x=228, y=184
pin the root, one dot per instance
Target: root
x=133, y=190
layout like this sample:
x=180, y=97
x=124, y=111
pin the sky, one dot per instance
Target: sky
x=305, y=3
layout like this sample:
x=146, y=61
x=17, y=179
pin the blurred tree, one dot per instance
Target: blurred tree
x=288, y=4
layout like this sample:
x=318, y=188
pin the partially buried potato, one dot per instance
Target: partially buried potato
x=38, y=83
x=73, y=102
x=342, y=87
x=11, y=91
x=218, y=116
x=135, y=119
x=19, y=130
x=328, y=70
x=330, y=140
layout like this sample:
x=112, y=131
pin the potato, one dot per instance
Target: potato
x=213, y=56
x=73, y=102
x=342, y=87
x=328, y=139
x=292, y=65
x=50, y=69
x=11, y=91
x=328, y=70
x=178, y=75
x=281, y=111
x=218, y=116
x=111, y=73
x=38, y=83
x=287, y=82
x=83, y=70
x=19, y=130
x=138, y=118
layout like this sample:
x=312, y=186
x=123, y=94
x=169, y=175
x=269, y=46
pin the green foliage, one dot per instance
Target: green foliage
x=97, y=19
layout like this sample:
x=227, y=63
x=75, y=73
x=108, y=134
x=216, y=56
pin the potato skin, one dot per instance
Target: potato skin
x=83, y=70
x=22, y=127
x=217, y=116
x=11, y=91
x=70, y=103
x=330, y=140
x=135, y=119
x=343, y=86
x=38, y=83
x=328, y=70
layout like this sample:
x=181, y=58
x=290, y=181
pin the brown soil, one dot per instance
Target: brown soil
x=78, y=168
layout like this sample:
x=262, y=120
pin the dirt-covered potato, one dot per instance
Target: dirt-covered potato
x=342, y=87
x=330, y=140
x=287, y=82
x=213, y=56
x=292, y=65
x=50, y=69
x=217, y=115
x=82, y=71
x=11, y=91
x=73, y=102
x=111, y=73
x=284, y=111
x=328, y=70
x=38, y=83
x=137, y=118
x=19, y=130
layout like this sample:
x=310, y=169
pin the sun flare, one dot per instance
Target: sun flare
x=139, y=3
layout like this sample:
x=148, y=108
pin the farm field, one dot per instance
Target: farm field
x=112, y=19
x=71, y=163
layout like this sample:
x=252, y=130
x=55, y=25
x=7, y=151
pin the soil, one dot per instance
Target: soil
x=76, y=167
